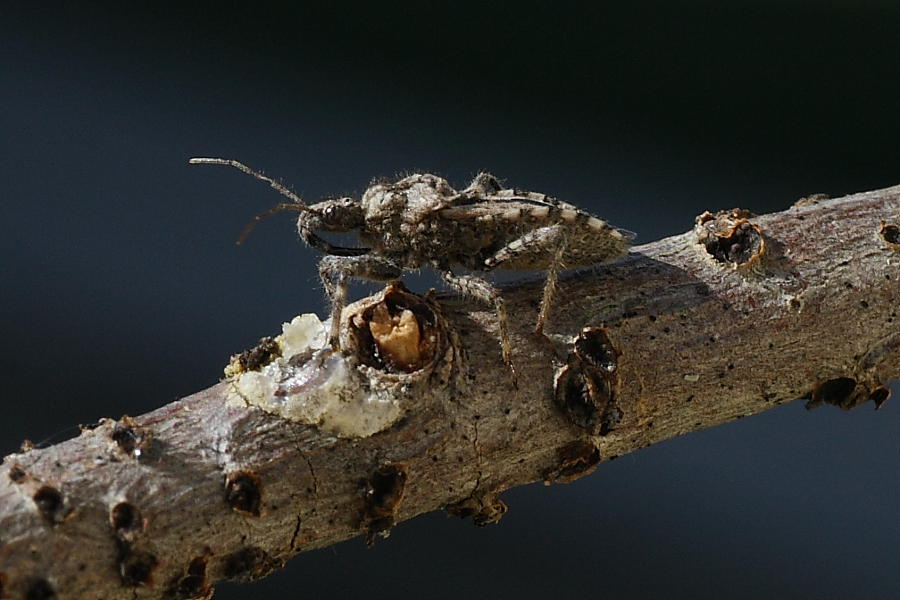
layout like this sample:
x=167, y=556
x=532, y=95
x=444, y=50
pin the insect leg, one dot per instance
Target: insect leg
x=336, y=271
x=543, y=248
x=483, y=290
x=550, y=285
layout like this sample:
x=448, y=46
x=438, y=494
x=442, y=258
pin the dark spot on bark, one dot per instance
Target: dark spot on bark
x=136, y=566
x=193, y=585
x=576, y=459
x=16, y=475
x=880, y=395
x=126, y=520
x=39, y=589
x=49, y=502
x=243, y=492
x=837, y=392
x=729, y=237
x=383, y=494
x=574, y=398
x=594, y=349
x=484, y=509
x=249, y=564
x=890, y=233
x=128, y=436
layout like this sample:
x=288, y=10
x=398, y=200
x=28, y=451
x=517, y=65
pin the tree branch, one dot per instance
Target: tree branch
x=739, y=315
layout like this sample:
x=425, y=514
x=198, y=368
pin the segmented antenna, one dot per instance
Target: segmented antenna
x=298, y=206
x=274, y=210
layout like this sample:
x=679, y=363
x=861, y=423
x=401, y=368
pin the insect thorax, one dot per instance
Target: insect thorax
x=404, y=222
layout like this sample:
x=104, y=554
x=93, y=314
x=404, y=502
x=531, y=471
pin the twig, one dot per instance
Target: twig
x=737, y=316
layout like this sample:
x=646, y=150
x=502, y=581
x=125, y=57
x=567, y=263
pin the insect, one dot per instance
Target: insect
x=421, y=221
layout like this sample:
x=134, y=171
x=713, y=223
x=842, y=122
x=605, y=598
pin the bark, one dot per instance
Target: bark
x=732, y=318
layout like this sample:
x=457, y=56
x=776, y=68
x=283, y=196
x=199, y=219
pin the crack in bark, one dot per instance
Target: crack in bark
x=292, y=546
x=315, y=489
x=478, y=457
x=312, y=471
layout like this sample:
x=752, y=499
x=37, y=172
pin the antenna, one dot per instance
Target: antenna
x=298, y=206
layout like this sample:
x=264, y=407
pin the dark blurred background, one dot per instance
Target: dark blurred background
x=121, y=288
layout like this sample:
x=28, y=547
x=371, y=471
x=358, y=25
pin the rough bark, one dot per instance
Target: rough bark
x=730, y=319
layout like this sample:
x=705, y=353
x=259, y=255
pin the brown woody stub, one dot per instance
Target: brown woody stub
x=243, y=492
x=51, y=504
x=880, y=395
x=126, y=521
x=484, y=509
x=383, y=492
x=847, y=393
x=890, y=233
x=400, y=333
x=249, y=564
x=17, y=475
x=730, y=237
x=194, y=584
x=129, y=437
x=837, y=392
x=576, y=459
x=136, y=566
x=39, y=589
x=586, y=387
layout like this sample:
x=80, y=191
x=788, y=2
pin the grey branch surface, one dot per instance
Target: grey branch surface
x=166, y=504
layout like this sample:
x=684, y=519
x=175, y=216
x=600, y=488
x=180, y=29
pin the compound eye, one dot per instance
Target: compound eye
x=331, y=215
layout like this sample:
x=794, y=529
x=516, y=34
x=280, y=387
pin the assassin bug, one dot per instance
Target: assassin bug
x=420, y=220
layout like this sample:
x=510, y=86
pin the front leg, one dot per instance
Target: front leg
x=335, y=272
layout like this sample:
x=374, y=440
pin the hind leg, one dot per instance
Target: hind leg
x=542, y=248
x=483, y=290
